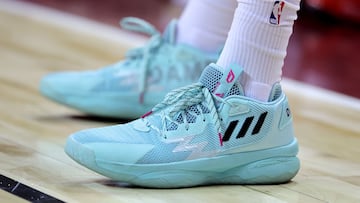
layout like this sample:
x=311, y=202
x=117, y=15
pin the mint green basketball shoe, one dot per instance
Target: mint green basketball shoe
x=204, y=133
x=131, y=87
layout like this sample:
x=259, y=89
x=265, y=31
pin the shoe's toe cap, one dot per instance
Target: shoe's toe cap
x=105, y=146
x=67, y=84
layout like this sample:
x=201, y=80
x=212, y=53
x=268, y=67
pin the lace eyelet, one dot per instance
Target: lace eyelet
x=187, y=127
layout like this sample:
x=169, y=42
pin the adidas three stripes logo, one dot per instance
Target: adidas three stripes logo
x=245, y=127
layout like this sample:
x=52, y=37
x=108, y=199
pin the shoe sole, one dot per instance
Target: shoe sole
x=270, y=166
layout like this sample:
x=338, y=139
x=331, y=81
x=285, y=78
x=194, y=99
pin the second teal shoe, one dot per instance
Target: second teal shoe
x=131, y=87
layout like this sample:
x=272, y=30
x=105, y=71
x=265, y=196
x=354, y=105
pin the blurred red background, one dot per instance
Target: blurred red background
x=323, y=51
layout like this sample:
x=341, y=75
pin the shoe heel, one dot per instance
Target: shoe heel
x=268, y=171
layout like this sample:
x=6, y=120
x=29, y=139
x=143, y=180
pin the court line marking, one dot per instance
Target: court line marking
x=25, y=192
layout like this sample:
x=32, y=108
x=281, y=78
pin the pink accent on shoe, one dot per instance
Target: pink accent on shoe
x=230, y=77
x=220, y=95
x=141, y=98
x=146, y=114
x=216, y=86
x=220, y=139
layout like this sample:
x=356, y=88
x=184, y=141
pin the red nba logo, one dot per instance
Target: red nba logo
x=276, y=12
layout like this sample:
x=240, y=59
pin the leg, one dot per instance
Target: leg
x=257, y=41
x=205, y=24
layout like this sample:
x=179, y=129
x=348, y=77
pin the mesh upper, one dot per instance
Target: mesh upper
x=209, y=78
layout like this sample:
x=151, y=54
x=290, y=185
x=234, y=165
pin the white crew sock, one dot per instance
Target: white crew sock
x=258, y=40
x=204, y=24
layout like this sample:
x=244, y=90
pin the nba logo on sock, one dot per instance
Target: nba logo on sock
x=276, y=12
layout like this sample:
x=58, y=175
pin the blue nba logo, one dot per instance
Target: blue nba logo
x=276, y=12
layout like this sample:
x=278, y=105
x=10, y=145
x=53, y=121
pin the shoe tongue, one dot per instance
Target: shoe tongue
x=221, y=82
x=169, y=34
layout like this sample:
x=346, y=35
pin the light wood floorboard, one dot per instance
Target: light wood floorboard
x=36, y=41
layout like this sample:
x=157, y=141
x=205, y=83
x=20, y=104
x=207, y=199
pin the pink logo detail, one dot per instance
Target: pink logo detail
x=220, y=95
x=220, y=139
x=217, y=85
x=276, y=12
x=230, y=77
x=146, y=114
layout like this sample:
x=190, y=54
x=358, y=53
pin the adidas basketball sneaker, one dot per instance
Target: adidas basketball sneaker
x=131, y=87
x=204, y=133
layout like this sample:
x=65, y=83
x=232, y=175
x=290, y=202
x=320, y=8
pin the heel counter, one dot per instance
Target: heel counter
x=286, y=119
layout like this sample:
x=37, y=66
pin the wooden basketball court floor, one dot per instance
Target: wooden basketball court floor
x=36, y=41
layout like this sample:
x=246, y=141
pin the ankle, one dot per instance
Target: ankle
x=257, y=90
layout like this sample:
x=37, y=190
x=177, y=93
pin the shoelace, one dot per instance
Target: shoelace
x=144, y=53
x=182, y=98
